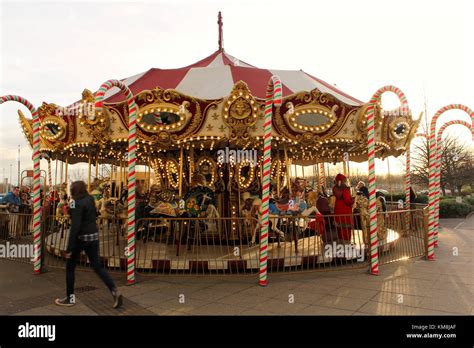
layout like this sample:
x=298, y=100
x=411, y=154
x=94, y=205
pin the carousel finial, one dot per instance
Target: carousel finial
x=221, y=38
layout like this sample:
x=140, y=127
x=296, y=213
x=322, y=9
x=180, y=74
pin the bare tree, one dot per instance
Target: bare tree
x=456, y=165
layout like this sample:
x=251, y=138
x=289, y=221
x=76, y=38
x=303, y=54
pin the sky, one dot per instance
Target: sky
x=51, y=51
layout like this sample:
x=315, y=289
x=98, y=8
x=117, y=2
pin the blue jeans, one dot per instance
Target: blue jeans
x=92, y=251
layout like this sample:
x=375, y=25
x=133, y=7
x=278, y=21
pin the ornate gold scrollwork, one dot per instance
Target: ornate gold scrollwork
x=277, y=169
x=166, y=116
x=399, y=129
x=362, y=120
x=98, y=125
x=156, y=118
x=172, y=173
x=96, y=121
x=240, y=112
x=26, y=126
x=244, y=181
x=305, y=118
x=314, y=112
x=53, y=128
x=207, y=167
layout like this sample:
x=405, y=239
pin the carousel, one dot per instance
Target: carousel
x=200, y=134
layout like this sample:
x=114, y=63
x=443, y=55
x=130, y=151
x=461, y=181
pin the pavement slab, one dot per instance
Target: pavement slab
x=410, y=287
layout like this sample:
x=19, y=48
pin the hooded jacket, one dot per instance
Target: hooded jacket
x=83, y=216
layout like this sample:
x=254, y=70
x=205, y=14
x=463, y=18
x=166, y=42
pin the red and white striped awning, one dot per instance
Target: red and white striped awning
x=213, y=78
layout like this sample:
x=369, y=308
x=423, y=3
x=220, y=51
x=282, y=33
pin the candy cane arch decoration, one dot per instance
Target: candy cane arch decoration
x=375, y=100
x=273, y=97
x=438, y=171
x=432, y=186
x=36, y=178
x=132, y=138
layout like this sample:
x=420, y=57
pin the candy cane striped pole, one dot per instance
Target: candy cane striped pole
x=273, y=97
x=36, y=179
x=375, y=100
x=438, y=170
x=407, y=177
x=432, y=186
x=322, y=175
x=132, y=138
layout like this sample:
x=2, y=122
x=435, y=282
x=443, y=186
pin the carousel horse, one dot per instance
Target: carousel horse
x=62, y=213
x=211, y=214
x=317, y=225
x=255, y=214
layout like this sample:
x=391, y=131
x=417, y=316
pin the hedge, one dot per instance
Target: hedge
x=401, y=196
x=449, y=208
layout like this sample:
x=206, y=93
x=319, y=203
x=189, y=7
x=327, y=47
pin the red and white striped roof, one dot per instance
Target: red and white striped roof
x=213, y=78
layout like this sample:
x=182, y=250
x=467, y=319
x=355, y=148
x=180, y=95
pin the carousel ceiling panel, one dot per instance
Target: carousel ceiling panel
x=218, y=61
x=231, y=60
x=207, y=83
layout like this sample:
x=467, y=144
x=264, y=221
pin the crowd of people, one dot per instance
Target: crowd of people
x=333, y=216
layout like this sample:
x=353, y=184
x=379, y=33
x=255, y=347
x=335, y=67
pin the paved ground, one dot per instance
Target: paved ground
x=412, y=287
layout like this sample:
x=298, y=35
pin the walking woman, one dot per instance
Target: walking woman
x=84, y=235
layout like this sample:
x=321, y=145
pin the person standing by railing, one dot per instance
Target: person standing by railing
x=84, y=236
x=13, y=205
x=343, y=206
x=381, y=215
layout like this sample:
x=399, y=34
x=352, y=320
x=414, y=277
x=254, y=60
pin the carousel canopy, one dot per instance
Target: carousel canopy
x=214, y=77
x=215, y=103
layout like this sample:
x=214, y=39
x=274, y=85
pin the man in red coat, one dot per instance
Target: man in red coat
x=343, y=206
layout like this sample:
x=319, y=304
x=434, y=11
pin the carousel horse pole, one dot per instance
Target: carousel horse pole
x=66, y=172
x=278, y=174
x=438, y=169
x=36, y=178
x=97, y=165
x=322, y=175
x=370, y=113
x=132, y=147
x=61, y=169
x=273, y=97
x=55, y=185
x=288, y=169
x=433, y=194
x=180, y=183
x=89, y=172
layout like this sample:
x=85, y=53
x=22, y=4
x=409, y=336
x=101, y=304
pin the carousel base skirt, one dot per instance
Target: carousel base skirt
x=213, y=255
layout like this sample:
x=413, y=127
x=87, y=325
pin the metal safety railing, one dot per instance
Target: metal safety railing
x=16, y=239
x=231, y=245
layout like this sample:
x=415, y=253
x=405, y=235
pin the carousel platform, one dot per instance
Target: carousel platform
x=211, y=255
